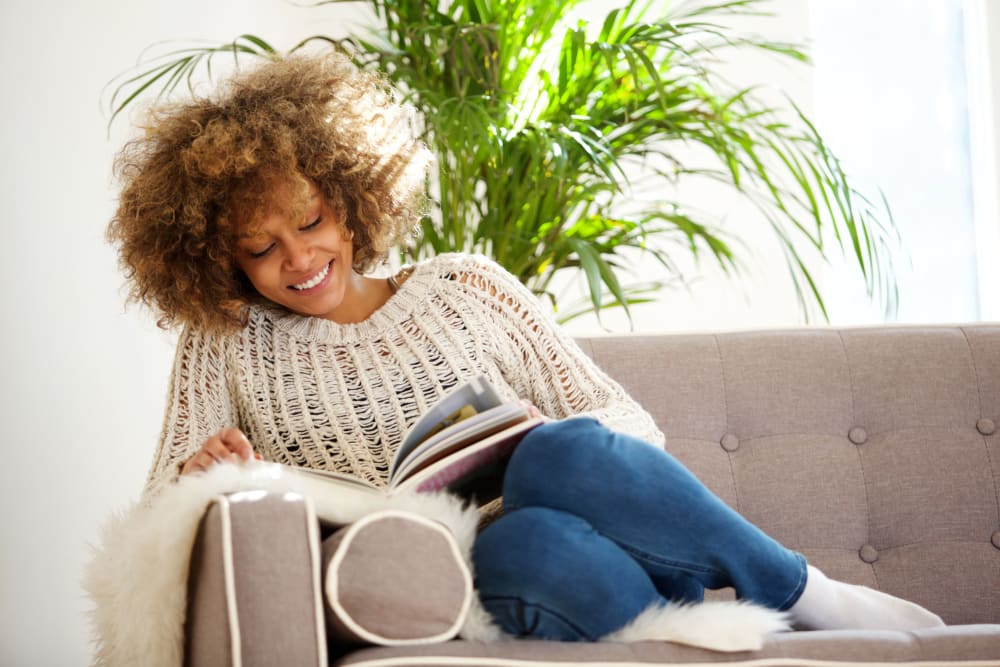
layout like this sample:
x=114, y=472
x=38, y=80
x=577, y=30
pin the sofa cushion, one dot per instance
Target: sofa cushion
x=873, y=451
x=395, y=578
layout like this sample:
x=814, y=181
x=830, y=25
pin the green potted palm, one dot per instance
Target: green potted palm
x=542, y=127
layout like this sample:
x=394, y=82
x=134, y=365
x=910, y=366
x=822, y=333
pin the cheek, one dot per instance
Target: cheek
x=346, y=242
x=257, y=273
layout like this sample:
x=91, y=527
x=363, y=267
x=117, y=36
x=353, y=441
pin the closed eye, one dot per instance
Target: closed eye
x=261, y=253
x=266, y=251
x=311, y=225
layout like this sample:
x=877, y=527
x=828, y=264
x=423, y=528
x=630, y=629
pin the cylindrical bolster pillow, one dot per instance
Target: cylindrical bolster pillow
x=395, y=578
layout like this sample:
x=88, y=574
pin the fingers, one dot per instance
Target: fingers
x=229, y=444
x=200, y=461
x=235, y=443
x=532, y=409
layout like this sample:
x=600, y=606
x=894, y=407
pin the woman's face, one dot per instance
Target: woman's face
x=302, y=260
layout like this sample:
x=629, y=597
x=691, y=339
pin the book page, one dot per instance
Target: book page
x=457, y=436
x=477, y=392
x=482, y=462
x=332, y=476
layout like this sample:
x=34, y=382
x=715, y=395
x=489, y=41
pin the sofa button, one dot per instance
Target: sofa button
x=858, y=435
x=730, y=442
x=995, y=539
x=868, y=553
x=986, y=426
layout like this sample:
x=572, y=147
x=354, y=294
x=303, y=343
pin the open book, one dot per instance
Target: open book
x=462, y=445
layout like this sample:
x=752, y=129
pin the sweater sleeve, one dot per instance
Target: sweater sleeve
x=544, y=364
x=199, y=404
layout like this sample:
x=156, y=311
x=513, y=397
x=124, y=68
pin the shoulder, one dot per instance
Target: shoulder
x=482, y=283
x=477, y=272
x=260, y=322
x=207, y=341
x=450, y=262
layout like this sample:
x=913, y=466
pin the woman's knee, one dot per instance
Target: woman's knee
x=548, y=574
x=560, y=463
x=551, y=457
x=560, y=438
x=520, y=546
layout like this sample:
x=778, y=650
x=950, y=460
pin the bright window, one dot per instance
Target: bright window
x=902, y=95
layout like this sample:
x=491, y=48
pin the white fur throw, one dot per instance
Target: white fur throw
x=138, y=575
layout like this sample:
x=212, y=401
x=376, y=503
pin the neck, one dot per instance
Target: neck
x=362, y=297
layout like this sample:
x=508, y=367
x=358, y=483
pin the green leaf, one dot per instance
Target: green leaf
x=542, y=135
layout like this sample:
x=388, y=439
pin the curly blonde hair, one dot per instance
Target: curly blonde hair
x=200, y=168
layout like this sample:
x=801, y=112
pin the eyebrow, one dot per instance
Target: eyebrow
x=246, y=236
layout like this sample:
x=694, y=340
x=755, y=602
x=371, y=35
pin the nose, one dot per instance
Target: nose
x=298, y=255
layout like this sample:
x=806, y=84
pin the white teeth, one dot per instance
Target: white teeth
x=316, y=280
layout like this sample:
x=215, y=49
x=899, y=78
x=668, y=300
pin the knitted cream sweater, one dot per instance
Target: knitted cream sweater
x=310, y=392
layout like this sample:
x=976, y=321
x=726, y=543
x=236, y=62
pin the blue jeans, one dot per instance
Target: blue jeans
x=598, y=526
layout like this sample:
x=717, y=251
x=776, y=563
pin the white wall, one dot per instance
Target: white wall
x=984, y=30
x=83, y=380
x=898, y=96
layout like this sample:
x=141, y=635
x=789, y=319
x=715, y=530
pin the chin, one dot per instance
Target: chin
x=319, y=306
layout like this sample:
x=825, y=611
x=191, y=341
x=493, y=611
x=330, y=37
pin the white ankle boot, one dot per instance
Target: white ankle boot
x=827, y=604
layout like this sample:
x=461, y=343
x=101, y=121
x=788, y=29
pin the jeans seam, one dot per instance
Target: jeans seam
x=800, y=585
x=632, y=551
x=641, y=555
x=637, y=553
x=535, y=605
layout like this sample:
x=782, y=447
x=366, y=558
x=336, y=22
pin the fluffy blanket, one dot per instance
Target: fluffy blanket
x=137, y=577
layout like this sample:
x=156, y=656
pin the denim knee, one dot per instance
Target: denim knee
x=563, y=434
x=549, y=455
x=548, y=574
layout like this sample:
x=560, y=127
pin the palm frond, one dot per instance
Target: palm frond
x=545, y=127
x=180, y=65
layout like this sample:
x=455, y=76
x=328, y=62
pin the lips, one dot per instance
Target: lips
x=314, y=281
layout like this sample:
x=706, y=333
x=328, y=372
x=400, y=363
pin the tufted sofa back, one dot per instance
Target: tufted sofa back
x=874, y=452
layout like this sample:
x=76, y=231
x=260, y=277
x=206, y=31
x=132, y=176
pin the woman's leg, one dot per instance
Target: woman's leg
x=547, y=574
x=653, y=508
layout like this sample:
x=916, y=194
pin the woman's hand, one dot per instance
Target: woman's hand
x=533, y=410
x=229, y=444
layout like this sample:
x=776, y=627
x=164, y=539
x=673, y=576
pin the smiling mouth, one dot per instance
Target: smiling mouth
x=315, y=280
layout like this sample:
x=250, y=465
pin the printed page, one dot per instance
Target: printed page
x=478, y=460
x=457, y=436
x=477, y=392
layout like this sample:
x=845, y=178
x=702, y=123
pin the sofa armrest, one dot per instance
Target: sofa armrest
x=253, y=586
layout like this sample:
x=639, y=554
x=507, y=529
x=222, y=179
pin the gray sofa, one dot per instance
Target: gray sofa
x=873, y=451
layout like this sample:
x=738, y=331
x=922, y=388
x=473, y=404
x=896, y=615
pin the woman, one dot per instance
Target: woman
x=252, y=219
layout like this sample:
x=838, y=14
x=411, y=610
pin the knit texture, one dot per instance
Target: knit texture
x=313, y=393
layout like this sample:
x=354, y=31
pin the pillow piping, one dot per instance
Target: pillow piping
x=331, y=587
